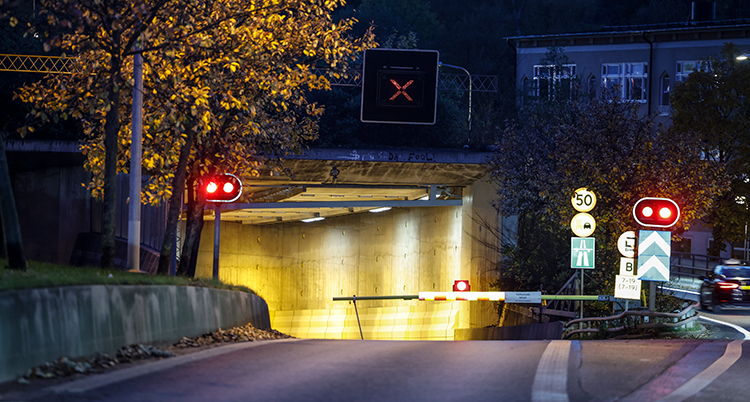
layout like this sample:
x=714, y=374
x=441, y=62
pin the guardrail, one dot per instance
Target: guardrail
x=633, y=319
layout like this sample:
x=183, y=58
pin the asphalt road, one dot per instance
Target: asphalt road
x=333, y=370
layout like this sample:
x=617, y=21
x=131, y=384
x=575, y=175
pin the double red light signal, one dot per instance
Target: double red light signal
x=221, y=187
x=461, y=286
x=656, y=212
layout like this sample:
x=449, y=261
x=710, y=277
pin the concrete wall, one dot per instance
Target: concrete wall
x=41, y=325
x=302, y=266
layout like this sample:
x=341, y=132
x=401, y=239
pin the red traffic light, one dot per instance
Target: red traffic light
x=656, y=212
x=222, y=187
x=461, y=286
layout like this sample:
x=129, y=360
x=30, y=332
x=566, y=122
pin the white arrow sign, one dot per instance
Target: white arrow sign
x=654, y=238
x=654, y=250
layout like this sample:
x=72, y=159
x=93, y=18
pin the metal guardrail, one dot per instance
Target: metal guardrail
x=633, y=319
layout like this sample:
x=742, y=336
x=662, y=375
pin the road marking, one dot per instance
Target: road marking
x=741, y=330
x=692, y=292
x=551, y=379
x=101, y=380
x=705, y=377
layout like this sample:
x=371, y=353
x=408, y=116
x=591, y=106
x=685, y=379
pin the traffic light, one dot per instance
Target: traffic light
x=399, y=86
x=221, y=187
x=656, y=212
x=461, y=286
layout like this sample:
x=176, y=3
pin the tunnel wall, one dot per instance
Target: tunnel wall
x=302, y=266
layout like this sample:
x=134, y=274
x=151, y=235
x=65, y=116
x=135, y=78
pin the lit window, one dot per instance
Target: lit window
x=629, y=79
x=553, y=82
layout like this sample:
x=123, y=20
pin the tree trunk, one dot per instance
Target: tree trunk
x=196, y=244
x=111, y=131
x=175, y=205
x=196, y=203
x=9, y=216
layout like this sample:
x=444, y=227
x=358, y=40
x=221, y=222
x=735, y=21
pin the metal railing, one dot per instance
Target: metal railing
x=695, y=265
x=632, y=319
x=36, y=64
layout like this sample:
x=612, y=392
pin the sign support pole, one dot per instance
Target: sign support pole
x=582, y=272
x=652, y=296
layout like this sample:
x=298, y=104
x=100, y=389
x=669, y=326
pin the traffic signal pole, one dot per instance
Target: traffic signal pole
x=217, y=237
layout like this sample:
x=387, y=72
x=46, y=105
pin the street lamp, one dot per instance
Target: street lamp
x=743, y=57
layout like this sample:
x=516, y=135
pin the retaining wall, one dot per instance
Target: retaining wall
x=41, y=325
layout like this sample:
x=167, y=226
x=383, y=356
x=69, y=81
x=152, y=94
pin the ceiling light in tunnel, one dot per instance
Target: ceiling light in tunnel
x=315, y=218
x=381, y=209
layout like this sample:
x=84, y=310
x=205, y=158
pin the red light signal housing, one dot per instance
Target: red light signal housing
x=221, y=187
x=656, y=212
x=461, y=286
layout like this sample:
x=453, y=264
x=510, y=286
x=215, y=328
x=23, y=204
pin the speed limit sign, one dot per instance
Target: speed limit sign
x=583, y=200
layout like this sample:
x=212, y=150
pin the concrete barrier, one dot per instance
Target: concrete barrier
x=41, y=325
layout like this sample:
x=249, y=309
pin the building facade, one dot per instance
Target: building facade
x=642, y=62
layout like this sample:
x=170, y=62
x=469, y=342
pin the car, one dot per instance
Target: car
x=728, y=285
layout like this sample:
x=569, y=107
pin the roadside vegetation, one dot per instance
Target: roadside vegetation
x=42, y=274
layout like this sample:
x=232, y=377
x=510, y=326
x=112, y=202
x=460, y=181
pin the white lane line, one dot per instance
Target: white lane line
x=551, y=379
x=741, y=330
x=705, y=377
x=681, y=290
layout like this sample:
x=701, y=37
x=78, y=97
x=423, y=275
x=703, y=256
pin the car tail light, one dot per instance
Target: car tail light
x=727, y=285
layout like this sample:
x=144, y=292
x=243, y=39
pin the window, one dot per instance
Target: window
x=684, y=68
x=551, y=82
x=630, y=79
x=665, y=88
x=592, y=83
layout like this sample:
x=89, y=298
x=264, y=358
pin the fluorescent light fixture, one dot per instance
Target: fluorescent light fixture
x=381, y=209
x=315, y=218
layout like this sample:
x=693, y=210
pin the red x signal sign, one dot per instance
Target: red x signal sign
x=401, y=90
x=399, y=86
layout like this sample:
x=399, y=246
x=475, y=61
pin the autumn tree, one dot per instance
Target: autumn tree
x=713, y=105
x=606, y=146
x=236, y=94
x=225, y=81
x=100, y=36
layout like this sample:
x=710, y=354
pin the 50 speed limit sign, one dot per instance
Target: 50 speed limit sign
x=583, y=200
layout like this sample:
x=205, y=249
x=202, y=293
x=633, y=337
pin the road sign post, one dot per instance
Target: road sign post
x=583, y=225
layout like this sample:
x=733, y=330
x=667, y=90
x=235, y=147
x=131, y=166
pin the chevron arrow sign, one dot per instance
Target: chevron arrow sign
x=654, y=250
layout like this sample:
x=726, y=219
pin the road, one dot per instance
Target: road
x=335, y=370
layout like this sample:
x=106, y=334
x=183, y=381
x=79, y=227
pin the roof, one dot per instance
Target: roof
x=670, y=27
